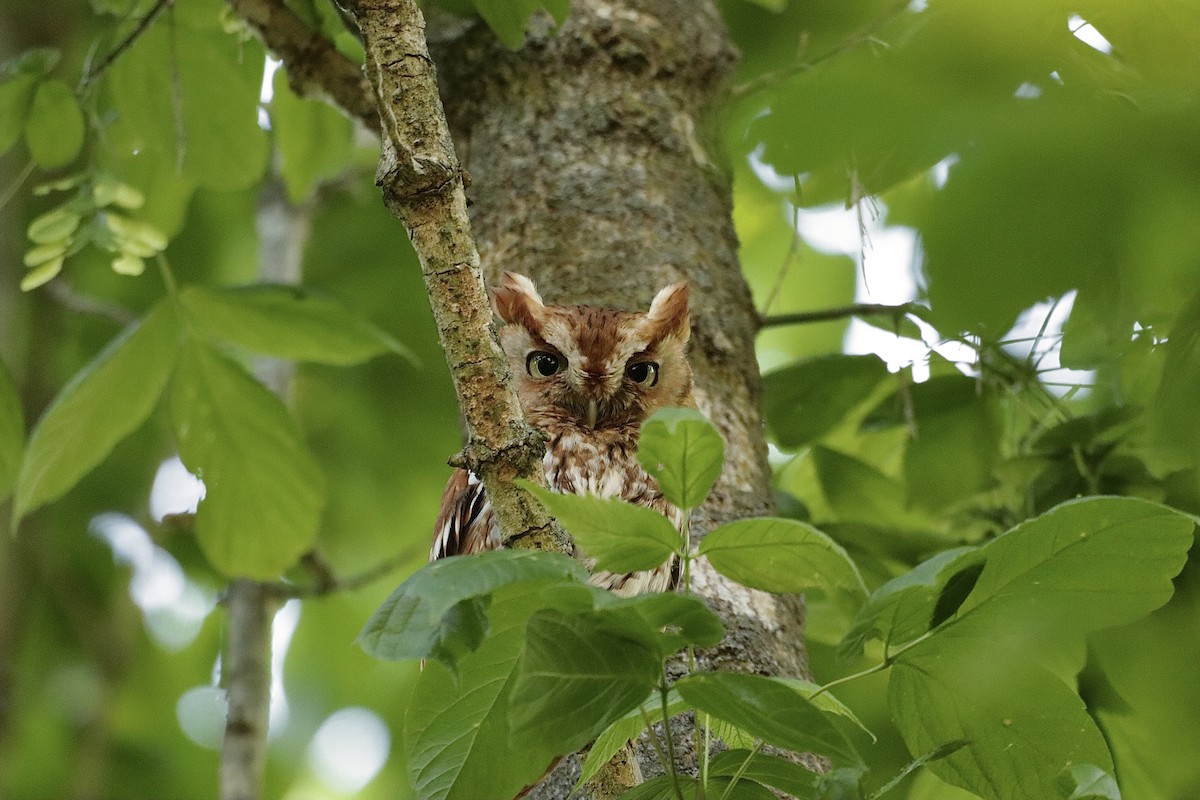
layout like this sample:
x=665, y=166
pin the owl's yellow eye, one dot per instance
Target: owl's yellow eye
x=643, y=372
x=541, y=364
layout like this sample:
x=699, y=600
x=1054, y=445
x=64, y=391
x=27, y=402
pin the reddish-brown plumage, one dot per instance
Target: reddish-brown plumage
x=591, y=408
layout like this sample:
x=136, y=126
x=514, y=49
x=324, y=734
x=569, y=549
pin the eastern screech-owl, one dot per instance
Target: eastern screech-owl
x=588, y=377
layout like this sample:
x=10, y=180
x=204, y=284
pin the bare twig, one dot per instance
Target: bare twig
x=314, y=66
x=841, y=312
x=422, y=184
x=141, y=27
x=68, y=298
x=327, y=582
x=865, y=35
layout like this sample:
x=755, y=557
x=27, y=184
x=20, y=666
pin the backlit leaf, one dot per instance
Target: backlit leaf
x=287, y=322
x=54, y=128
x=782, y=555
x=621, y=537
x=314, y=139
x=264, y=490
x=682, y=450
x=101, y=405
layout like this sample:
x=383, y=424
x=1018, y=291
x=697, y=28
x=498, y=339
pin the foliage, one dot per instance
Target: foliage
x=989, y=556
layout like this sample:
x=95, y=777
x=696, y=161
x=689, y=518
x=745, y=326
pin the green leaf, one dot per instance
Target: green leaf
x=264, y=491
x=903, y=608
x=315, y=140
x=857, y=491
x=412, y=621
x=16, y=96
x=1087, y=782
x=770, y=770
x=1084, y=565
x=782, y=555
x=804, y=401
x=287, y=322
x=621, y=537
x=102, y=404
x=12, y=433
x=1176, y=404
x=955, y=440
x=577, y=674
x=54, y=128
x=767, y=709
x=625, y=728
x=1023, y=725
x=458, y=736
x=682, y=450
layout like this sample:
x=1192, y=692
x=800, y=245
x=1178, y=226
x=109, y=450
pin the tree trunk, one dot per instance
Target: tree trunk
x=592, y=171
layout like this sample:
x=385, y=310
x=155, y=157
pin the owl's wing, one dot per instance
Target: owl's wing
x=464, y=525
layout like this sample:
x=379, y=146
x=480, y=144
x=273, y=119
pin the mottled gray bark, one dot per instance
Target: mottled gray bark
x=592, y=172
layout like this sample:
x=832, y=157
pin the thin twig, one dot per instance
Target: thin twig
x=67, y=297
x=863, y=36
x=327, y=581
x=142, y=25
x=841, y=312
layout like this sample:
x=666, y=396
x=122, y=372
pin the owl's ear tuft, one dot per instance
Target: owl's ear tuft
x=668, y=315
x=517, y=302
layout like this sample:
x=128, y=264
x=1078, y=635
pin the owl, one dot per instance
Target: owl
x=588, y=377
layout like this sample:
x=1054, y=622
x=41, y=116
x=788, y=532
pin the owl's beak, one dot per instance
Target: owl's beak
x=593, y=411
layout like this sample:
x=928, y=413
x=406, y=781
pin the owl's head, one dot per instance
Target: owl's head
x=594, y=367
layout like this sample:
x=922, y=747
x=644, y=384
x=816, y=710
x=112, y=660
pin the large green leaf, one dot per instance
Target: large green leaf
x=804, y=401
x=680, y=619
x=101, y=405
x=213, y=81
x=286, y=322
x=413, y=620
x=767, y=709
x=264, y=490
x=621, y=537
x=315, y=140
x=1023, y=726
x=458, y=731
x=682, y=450
x=1176, y=405
x=16, y=96
x=857, y=491
x=782, y=555
x=577, y=674
x=54, y=128
x=12, y=433
x=1087, y=564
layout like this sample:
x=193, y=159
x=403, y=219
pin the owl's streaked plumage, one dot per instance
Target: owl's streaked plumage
x=588, y=377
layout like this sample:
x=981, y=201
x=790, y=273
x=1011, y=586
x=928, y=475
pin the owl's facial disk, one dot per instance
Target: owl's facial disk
x=594, y=367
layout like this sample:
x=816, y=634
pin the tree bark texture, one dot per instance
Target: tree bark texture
x=592, y=172
x=422, y=185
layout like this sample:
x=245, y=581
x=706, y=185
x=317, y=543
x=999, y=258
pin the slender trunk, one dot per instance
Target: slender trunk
x=246, y=668
x=592, y=171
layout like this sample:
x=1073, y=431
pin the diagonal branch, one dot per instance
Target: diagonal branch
x=422, y=184
x=314, y=66
x=843, y=312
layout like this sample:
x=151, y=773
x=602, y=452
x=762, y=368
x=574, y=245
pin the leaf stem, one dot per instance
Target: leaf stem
x=11, y=191
x=663, y=690
x=737, y=776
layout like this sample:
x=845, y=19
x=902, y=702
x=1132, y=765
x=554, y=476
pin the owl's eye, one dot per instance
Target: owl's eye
x=643, y=372
x=541, y=364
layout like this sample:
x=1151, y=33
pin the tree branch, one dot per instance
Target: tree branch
x=422, y=184
x=842, y=312
x=246, y=675
x=314, y=66
x=326, y=580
